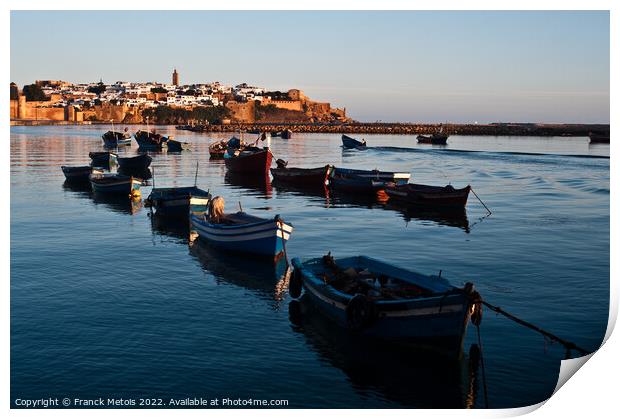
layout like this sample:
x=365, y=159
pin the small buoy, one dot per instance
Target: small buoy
x=135, y=193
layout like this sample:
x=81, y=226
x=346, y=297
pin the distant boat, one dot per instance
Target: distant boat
x=113, y=139
x=286, y=134
x=103, y=159
x=599, y=138
x=379, y=300
x=177, y=146
x=352, y=143
x=248, y=160
x=139, y=162
x=115, y=184
x=176, y=201
x=364, y=181
x=438, y=197
x=437, y=138
x=241, y=232
x=317, y=177
x=150, y=140
x=79, y=173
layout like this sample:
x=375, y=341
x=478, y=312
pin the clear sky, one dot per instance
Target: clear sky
x=391, y=66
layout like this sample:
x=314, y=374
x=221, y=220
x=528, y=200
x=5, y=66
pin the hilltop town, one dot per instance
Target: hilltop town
x=55, y=101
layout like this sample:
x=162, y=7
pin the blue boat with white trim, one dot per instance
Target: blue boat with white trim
x=242, y=232
x=113, y=183
x=176, y=201
x=369, y=181
x=378, y=300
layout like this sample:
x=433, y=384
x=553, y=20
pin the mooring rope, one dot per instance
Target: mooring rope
x=476, y=195
x=567, y=344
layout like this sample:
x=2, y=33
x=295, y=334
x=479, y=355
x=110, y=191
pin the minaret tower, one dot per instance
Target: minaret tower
x=175, y=77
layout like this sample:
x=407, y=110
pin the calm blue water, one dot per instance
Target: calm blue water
x=106, y=303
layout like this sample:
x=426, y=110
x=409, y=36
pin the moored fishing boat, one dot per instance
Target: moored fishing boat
x=150, y=140
x=379, y=300
x=317, y=177
x=176, y=201
x=240, y=232
x=139, y=162
x=113, y=139
x=248, y=160
x=369, y=181
x=439, y=197
x=79, y=173
x=103, y=159
x=177, y=146
x=352, y=143
x=112, y=183
x=218, y=148
x=286, y=134
x=437, y=138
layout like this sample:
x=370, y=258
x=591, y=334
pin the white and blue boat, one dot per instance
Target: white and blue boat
x=112, y=183
x=378, y=300
x=355, y=180
x=176, y=201
x=241, y=232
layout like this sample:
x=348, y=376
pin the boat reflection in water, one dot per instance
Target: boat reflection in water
x=399, y=374
x=258, y=184
x=170, y=226
x=445, y=218
x=117, y=203
x=120, y=204
x=264, y=277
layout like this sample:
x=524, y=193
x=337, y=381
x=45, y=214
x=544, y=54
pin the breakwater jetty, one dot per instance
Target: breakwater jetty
x=544, y=130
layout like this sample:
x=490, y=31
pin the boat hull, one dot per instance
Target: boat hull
x=257, y=162
x=103, y=159
x=113, y=139
x=78, y=173
x=175, y=202
x=302, y=177
x=439, y=319
x=177, y=146
x=140, y=162
x=264, y=238
x=437, y=197
x=150, y=141
x=352, y=143
x=438, y=139
x=115, y=185
x=364, y=181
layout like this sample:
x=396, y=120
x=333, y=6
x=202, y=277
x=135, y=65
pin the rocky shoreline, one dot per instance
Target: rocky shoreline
x=544, y=130
x=525, y=129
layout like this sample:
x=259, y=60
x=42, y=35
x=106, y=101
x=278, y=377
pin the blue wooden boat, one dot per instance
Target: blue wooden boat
x=241, y=232
x=381, y=301
x=150, y=140
x=176, y=201
x=112, y=139
x=139, y=162
x=177, y=146
x=352, y=143
x=364, y=181
x=112, y=183
x=103, y=159
x=79, y=173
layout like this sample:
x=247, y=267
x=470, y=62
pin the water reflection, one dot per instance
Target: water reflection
x=119, y=204
x=264, y=277
x=310, y=191
x=259, y=184
x=173, y=227
x=445, y=218
x=402, y=375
